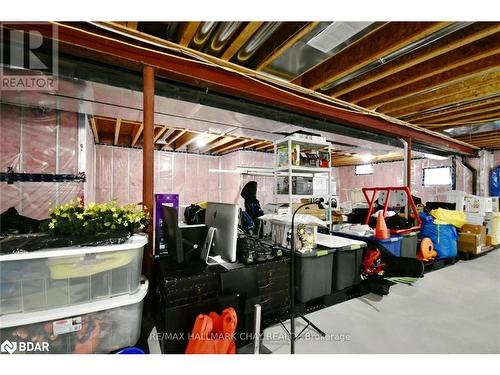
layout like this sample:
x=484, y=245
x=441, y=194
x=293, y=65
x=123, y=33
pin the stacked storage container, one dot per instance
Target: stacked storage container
x=492, y=228
x=474, y=207
x=76, y=299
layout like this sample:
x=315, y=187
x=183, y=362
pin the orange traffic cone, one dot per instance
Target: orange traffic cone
x=381, y=231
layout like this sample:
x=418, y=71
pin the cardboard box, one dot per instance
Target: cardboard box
x=492, y=223
x=469, y=243
x=475, y=229
x=495, y=203
x=492, y=240
x=313, y=210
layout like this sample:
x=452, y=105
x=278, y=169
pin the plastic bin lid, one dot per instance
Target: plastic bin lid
x=338, y=243
x=410, y=234
x=391, y=239
x=315, y=253
x=21, y=319
x=134, y=242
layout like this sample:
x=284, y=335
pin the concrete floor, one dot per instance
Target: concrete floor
x=452, y=310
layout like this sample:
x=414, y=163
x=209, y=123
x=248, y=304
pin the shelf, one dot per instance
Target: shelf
x=298, y=169
x=304, y=142
x=299, y=196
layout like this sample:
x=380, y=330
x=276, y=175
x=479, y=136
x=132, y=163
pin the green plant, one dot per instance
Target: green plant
x=96, y=218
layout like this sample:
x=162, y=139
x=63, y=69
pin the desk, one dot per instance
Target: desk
x=186, y=290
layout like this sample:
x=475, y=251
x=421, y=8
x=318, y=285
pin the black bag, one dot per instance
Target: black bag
x=194, y=214
x=13, y=223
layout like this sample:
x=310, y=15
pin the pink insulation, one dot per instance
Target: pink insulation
x=232, y=183
x=135, y=175
x=164, y=171
x=68, y=142
x=104, y=174
x=391, y=174
x=10, y=137
x=214, y=178
x=39, y=141
x=32, y=142
x=119, y=175
x=179, y=179
x=89, y=166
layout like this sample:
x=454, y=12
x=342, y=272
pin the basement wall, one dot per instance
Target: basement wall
x=391, y=174
x=33, y=140
x=194, y=177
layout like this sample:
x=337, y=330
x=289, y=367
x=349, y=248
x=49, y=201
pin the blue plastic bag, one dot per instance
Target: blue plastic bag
x=495, y=182
x=444, y=237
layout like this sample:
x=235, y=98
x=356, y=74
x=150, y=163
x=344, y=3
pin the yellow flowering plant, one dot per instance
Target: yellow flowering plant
x=96, y=218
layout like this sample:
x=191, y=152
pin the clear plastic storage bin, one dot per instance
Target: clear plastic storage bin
x=51, y=278
x=95, y=327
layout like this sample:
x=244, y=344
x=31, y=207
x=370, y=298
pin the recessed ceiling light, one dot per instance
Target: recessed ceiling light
x=201, y=140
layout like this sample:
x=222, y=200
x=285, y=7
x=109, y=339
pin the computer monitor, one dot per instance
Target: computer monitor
x=172, y=233
x=222, y=220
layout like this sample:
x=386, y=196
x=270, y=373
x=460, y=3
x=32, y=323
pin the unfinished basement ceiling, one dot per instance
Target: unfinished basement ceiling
x=116, y=114
x=128, y=133
x=437, y=75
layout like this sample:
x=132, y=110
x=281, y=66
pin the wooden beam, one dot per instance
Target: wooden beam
x=132, y=25
x=447, y=90
x=180, y=133
x=148, y=113
x=188, y=33
x=93, y=125
x=209, y=138
x=456, y=58
x=241, y=39
x=493, y=142
x=444, y=45
x=491, y=139
x=231, y=146
x=465, y=116
x=263, y=146
x=356, y=159
x=255, y=143
x=110, y=49
x=137, y=135
x=484, y=139
x=286, y=36
x=478, y=136
x=476, y=93
x=377, y=44
x=213, y=145
x=168, y=133
x=455, y=111
x=185, y=140
x=161, y=132
x=474, y=120
x=436, y=80
x=117, y=130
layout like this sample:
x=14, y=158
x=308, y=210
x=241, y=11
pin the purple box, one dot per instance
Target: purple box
x=171, y=200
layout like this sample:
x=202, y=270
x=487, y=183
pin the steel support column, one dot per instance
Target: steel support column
x=148, y=162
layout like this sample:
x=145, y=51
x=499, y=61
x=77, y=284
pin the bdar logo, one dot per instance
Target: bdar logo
x=8, y=347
